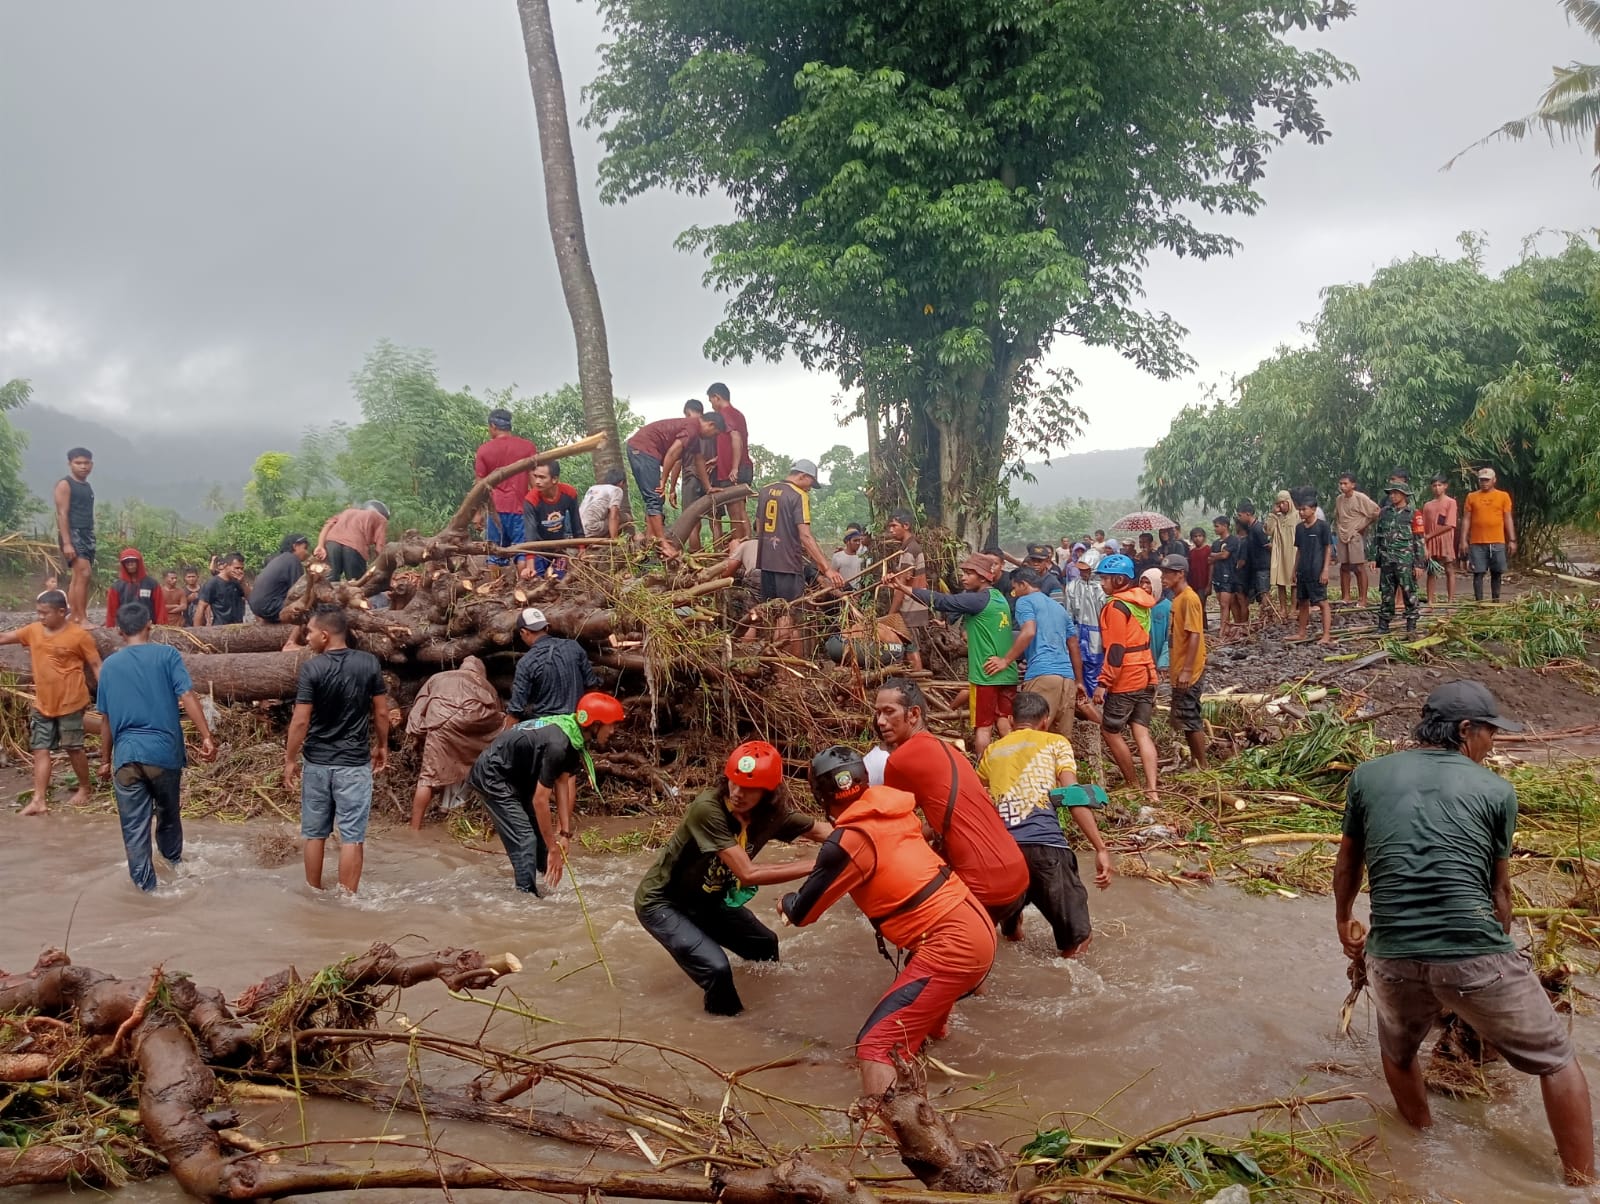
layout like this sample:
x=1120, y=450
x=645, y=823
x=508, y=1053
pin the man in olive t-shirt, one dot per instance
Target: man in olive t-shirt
x=1434, y=830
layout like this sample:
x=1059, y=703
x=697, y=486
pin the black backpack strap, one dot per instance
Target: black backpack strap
x=949, y=803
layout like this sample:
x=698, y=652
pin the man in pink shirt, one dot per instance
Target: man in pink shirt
x=656, y=453
x=1440, y=522
x=345, y=538
x=502, y=516
x=734, y=466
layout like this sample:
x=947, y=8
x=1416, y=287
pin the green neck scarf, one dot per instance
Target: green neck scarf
x=574, y=734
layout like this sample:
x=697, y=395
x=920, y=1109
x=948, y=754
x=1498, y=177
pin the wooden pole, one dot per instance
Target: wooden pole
x=476, y=495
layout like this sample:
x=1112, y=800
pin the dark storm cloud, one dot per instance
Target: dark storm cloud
x=208, y=213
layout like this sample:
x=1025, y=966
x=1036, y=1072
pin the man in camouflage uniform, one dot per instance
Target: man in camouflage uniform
x=1398, y=551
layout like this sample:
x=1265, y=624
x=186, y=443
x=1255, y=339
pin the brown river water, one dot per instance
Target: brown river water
x=1189, y=1000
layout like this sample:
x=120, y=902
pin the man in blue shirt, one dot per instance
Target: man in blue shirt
x=142, y=687
x=1047, y=639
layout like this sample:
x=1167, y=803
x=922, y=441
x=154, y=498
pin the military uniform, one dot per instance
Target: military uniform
x=1399, y=553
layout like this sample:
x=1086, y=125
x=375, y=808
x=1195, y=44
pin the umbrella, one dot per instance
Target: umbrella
x=1143, y=520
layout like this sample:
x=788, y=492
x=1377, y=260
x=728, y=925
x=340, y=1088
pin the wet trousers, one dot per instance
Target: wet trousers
x=696, y=939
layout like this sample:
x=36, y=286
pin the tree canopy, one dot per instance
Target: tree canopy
x=927, y=195
x=1434, y=365
x=15, y=500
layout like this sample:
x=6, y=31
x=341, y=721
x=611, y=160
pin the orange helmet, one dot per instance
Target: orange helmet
x=755, y=763
x=595, y=707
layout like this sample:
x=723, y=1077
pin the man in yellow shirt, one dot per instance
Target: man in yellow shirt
x=1186, y=663
x=1489, y=534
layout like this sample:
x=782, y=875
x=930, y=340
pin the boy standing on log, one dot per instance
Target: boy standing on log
x=502, y=516
x=64, y=661
x=527, y=766
x=74, y=503
x=341, y=721
x=142, y=688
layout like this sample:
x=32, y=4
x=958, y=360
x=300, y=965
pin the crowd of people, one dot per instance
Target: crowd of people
x=942, y=852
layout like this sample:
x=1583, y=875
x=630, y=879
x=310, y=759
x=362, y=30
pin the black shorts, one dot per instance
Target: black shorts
x=1309, y=593
x=1259, y=585
x=1221, y=583
x=787, y=586
x=82, y=544
x=1186, y=714
x=1119, y=710
x=1056, y=890
x=345, y=562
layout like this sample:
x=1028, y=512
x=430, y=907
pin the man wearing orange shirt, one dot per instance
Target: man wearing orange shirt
x=65, y=663
x=1489, y=534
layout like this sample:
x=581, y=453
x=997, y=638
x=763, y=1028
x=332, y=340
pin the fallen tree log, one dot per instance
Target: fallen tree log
x=692, y=515
x=234, y=637
x=53, y=1164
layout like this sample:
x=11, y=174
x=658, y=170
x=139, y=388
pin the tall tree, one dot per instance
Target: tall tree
x=928, y=194
x=1569, y=110
x=566, y=230
x=15, y=500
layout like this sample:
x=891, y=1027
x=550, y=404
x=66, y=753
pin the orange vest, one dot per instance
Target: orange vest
x=908, y=888
x=1129, y=665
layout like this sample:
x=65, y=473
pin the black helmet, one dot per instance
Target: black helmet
x=838, y=776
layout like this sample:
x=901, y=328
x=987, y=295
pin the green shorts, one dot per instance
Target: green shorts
x=56, y=733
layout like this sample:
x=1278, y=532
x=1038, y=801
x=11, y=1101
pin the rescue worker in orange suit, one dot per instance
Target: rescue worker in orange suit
x=694, y=898
x=878, y=857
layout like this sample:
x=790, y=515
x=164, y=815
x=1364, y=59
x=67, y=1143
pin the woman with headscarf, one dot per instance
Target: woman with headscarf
x=1160, y=617
x=1281, y=523
x=456, y=716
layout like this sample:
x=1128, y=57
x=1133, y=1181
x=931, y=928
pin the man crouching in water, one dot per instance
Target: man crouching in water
x=877, y=856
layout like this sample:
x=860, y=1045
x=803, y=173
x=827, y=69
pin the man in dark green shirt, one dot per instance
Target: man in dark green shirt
x=693, y=899
x=1433, y=828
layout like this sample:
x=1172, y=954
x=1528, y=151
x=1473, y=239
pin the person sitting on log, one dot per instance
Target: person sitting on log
x=277, y=576
x=144, y=691
x=549, y=513
x=552, y=674
x=341, y=720
x=1026, y=772
x=526, y=766
x=345, y=538
x=602, y=505
x=876, y=855
x=455, y=717
x=694, y=898
x=65, y=662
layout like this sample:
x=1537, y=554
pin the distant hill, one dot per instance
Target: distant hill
x=1101, y=474
x=170, y=469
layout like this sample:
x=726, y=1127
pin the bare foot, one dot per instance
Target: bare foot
x=1079, y=948
x=36, y=807
x=1012, y=931
x=80, y=798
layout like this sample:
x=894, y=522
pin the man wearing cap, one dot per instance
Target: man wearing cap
x=502, y=511
x=1434, y=830
x=1041, y=559
x=985, y=615
x=847, y=561
x=1489, y=534
x=1186, y=663
x=1397, y=548
x=783, y=511
x=552, y=674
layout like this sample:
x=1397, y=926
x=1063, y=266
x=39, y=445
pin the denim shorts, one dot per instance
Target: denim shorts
x=504, y=528
x=328, y=792
x=647, y=475
x=1487, y=557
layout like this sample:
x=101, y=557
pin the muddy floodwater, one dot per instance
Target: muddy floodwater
x=1189, y=1000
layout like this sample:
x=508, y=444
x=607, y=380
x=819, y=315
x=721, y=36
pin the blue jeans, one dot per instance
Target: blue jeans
x=328, y=792
x=504, y=528
x=647, y=475
x=146, y=792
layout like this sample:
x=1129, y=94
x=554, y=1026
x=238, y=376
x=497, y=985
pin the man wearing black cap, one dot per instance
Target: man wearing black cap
x=1434, y=830
x=1042, y=560
x=502, y=516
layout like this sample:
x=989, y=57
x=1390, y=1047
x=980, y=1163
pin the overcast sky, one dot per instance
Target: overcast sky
x=210, y=212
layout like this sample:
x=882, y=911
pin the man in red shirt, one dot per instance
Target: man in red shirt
x=734, y=466
x=967, y=829
x=502, y=517
x=656, y=452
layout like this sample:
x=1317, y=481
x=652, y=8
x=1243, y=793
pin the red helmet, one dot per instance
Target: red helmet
x=755, y=763
x=595, y=707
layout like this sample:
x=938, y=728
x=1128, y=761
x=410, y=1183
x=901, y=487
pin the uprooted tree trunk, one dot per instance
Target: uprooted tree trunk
x=928, y=1143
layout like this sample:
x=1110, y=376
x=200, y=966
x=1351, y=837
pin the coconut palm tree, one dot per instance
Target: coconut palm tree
x=1569, y=111
x=566, y=230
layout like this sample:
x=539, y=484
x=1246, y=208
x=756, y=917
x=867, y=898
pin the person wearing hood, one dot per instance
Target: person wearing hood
x=134, y=584
x=1083, y=599
x=456, y=716
x=1281, y=522
x=1160, y=616
x=1127, y=689
x=277, y=577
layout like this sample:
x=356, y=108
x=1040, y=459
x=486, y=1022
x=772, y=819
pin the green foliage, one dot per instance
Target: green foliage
x=1068, y=518
x=1569, y=110
x=843, y=499
x=1432, y=365
x=16, y=503
x=268, y=489
x=928, y=195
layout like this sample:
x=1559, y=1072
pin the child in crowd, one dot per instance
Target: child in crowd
x=1313, y=547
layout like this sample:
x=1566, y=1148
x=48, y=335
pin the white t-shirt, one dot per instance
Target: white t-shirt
x=846, y=565
x=596, y=507
x=876, y=760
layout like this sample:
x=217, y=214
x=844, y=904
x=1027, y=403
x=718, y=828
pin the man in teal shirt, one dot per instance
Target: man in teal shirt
x=1433, y=828
x=986, y=618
